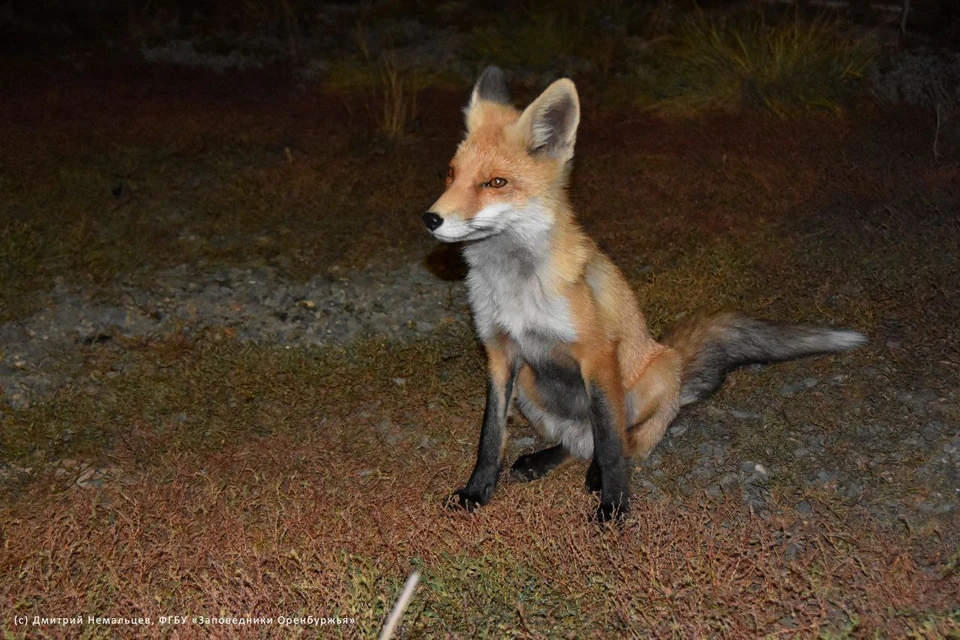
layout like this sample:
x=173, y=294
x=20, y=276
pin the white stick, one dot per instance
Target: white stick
x=401, y=605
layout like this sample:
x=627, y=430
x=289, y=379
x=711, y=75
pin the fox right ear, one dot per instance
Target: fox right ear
x=550, y=122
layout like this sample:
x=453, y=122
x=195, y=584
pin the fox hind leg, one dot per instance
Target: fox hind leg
x=534, y=466
x=594, y=482
x=654, y=402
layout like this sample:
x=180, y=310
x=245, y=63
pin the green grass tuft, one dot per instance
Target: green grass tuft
x=548, y=37
x=390, y=84
x=742, y=62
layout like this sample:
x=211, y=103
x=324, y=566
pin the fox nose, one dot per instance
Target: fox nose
x=432, y=221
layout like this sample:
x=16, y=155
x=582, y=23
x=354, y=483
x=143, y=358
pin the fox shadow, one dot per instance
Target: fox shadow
x=446, y=262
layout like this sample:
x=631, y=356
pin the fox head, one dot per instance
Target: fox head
x=509, y=174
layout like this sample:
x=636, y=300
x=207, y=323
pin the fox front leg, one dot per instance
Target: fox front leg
x=493, y=434
x=609, y=465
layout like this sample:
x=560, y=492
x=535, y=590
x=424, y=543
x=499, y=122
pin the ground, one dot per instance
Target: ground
x=238, y=378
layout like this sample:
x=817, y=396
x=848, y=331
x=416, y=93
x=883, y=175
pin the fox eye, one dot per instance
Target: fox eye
x=496, y=183
x=449, y=175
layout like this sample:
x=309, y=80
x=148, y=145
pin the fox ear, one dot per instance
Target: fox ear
x=492, y=86
x=550, y=122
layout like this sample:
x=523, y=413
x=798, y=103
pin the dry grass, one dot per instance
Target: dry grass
x=389, y=85
x=391, y=89
x=316, y=495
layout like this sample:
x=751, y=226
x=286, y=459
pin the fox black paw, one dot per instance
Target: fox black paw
x=534, y=466
x=610, y=512
x=530, y=467
x=463, y=500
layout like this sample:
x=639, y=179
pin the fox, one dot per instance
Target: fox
x=564, y=336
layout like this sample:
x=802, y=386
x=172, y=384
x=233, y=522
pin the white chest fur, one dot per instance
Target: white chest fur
x=511, y=293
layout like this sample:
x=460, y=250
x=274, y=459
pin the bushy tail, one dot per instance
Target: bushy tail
x=713, y=345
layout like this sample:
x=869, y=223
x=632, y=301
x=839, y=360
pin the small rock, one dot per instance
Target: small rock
x=825, y=478
x=715, y=413
x=755, y=497
x=753, y=468
x=850, y=489
x=804, y=508
x=952, y=447
x=91, y=478
x=815, y=444
x=648, y=487
x=524, y=442
x=936, y=508
x=729, y=482
x=653, y=460
x=793, y=550
x=919, y=400
x=932, y=431
x=792, y=389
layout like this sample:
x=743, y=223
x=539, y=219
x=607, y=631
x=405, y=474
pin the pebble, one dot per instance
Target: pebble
x=918, y=401
x=729, y=482
x=754, y=468
x=679, y=428
x=932, y=431
x=792, y=389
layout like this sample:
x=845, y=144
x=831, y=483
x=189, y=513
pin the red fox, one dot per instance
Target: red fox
x=563, y=332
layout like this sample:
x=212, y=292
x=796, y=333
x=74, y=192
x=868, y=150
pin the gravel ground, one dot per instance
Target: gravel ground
x=41, y=353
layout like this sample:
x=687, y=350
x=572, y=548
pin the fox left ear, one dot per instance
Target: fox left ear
x=550, y=122
x=492, y=86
